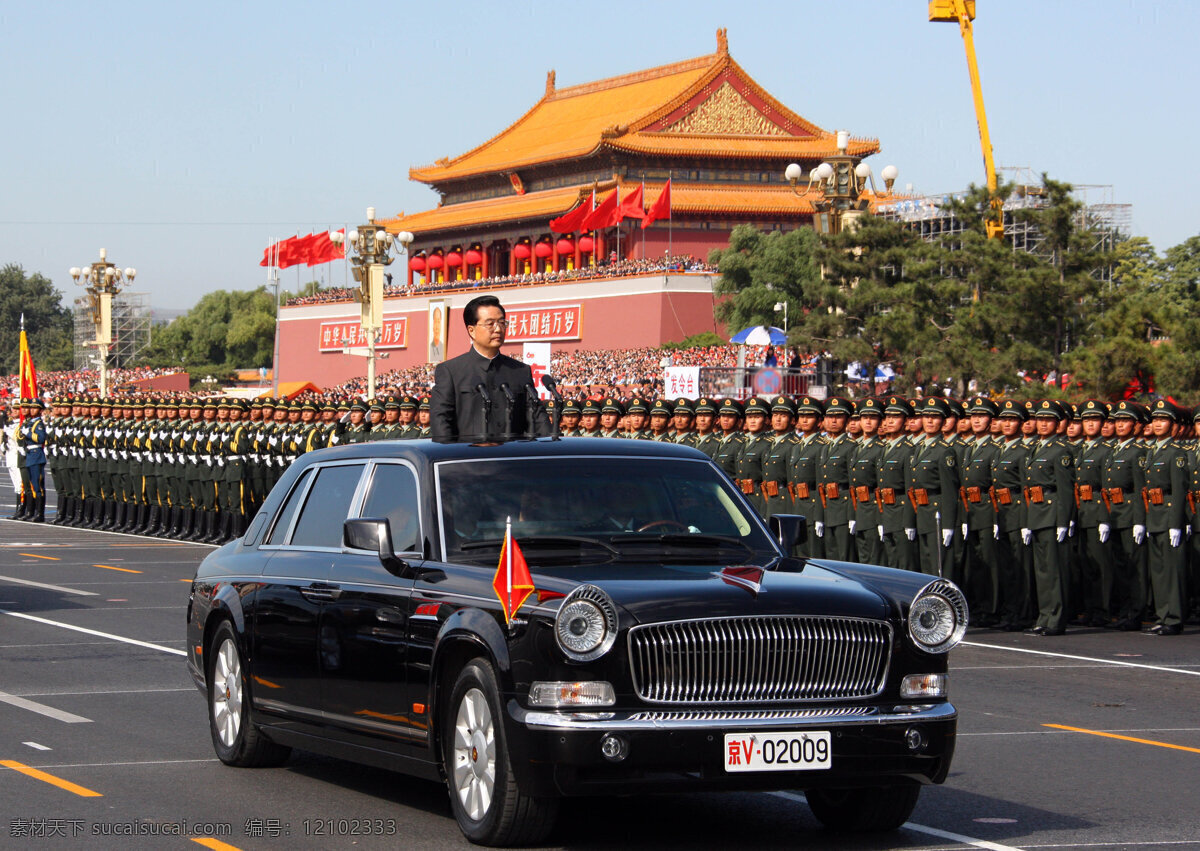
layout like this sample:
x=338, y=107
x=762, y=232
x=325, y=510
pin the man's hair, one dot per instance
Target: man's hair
x=471, y=311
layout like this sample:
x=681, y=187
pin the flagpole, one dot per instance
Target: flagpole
x=670, y=217
x=508, y=565
x=643, y=210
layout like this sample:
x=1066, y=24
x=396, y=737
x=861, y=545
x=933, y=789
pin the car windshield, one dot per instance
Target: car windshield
x=640, y=507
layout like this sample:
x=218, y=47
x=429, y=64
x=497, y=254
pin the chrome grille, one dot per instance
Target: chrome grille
x=759, y=659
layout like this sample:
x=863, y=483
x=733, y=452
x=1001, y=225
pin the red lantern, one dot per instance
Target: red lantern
x=565, y=246
x=416, y=264
x=586, y=244
x=521, y=251
x=473, y=257
x=543, y=249
x=453, y=259
x=435, y=261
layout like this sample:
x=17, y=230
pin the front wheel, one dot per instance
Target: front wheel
x=863, y=810
x=487, y=804
x=236, y=738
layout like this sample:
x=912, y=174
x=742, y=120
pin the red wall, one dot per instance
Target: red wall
x=616, y=314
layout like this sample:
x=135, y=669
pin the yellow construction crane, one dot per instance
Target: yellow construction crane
x=962, y=12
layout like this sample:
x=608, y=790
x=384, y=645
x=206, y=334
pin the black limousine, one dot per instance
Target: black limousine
x=668, y=640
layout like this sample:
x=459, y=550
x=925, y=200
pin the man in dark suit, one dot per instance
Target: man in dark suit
x=470, y=388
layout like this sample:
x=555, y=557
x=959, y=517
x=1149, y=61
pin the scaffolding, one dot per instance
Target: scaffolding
x=130, y=330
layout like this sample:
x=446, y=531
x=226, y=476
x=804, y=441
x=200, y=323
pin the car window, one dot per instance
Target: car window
x=289, y=510
x=325, y=509
x=608, y=497
x=393, y=494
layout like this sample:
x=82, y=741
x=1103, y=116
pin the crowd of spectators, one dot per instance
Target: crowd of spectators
x=77, y=381
x=613, y=269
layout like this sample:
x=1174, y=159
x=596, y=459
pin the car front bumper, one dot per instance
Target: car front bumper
x=672, y=750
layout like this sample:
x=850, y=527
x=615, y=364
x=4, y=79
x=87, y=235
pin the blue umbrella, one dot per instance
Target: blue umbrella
x=759, y=335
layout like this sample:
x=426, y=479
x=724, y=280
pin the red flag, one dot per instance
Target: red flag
x=605, y=215
x=28, y=375
x=285, y=252
x=325, y=250
x=513, y=583
x=571, y=221
x=660, y=209
x=268, y=255
x=631, y=207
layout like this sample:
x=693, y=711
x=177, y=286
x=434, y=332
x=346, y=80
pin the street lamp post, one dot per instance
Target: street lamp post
x=841, y=180
x=782, y=305
x=372, y=245
x=103, y=280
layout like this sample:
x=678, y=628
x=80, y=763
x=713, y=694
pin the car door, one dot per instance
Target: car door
x=366, y=698
x=286, y=609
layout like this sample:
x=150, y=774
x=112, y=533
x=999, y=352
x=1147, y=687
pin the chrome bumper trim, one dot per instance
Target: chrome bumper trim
x=705, y=720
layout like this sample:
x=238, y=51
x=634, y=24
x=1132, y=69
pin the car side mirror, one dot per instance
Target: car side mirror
x=374, y=533
x=790, y=530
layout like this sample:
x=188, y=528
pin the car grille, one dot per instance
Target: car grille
x=760, y=659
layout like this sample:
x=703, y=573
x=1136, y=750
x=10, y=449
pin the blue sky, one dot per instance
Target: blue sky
x=182, y=137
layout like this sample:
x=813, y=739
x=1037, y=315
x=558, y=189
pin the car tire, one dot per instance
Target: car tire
x=489, y=807
x=870, y=810
x=236, y=738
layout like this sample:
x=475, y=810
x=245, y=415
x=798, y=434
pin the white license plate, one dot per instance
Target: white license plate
x=778, y=751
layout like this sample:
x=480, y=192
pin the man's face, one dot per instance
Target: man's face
x=913, y=425
x=569, y=420
x=589, y=421
x=391, y=415
x=704, y=423
x=1092, y=426
x=931, y=424
x=981, y=424
x=235, y=414
x=781, y=422
x=608, y=421
x=280, y=415
x=210, y=414
x=1028, y=427
x=423, y=417
x=854, y=426
x=1045, y=426
x=222, y=415
x=407, y=415
x=682, y=422
x=808, y=423
x=756, y=421
x=307, y=416
x=727, y=422
x=1075, y=429
x=376, y=417
x=1161, y=426
x=869, y=423
x=1010, y=426
x=1123, y=427
x=835, y=424
x=489, y=329
x=658, y=423
x=1108, y=429
x=637, y=421
x=293, y=416
x=356, y=417
x=950, y=426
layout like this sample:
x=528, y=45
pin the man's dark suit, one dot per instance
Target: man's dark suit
x=456, y=406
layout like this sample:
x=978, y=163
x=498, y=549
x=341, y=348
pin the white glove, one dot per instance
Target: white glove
x=879, y=529
x=1061, y=533
x=1026, y=537
x=1176, y=536
x=947, y=537
x=996, y=531
x=819, y=528
x=911, y=534
x=1103, y=530
x=1071, y=528
x=852, y=524
x=964, y=531
x=1139, y=534
x=1188, y=530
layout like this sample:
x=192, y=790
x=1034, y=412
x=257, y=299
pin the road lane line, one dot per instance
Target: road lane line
x=920, y=828
x=36, y=746
x=35, y=555
x=50, y=778
x=61, y=588
x=95, y=632
x=112, y=567
x=215, y=844
x=1162, y=668
x=42, y=709
x=1123, y=738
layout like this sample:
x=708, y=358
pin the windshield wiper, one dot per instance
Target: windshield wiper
x=540, y=540
x=689, y=538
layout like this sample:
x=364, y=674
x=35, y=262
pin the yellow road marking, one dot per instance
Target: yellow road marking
x=35, y=555
x=185, y=580
x=1123, y=738
x=122, y=569
x=215, y=844
x=49, y=778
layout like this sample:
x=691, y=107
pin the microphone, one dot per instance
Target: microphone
x=508, y=394
x=510, y=403
x=487, y=409
x=550, y=384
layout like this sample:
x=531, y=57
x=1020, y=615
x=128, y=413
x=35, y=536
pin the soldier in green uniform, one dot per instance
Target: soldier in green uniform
x=898, y=523
x=980, y=577
x=729, y=436
x=660, y=420
x=1193, y=576
x=611, y=412
x=357, y=431
x=1165, y=499
x=748, y=474
x=833, y=481
x=933, y=482
x=424, y=417
x=682, y=417
x=777, y=499
x=1124, y=479
x=1049, y=512
x=864, y=482
x=636, y=413
x=804, y=472
x=706, y=440
x=569, y=418
x=589, y=419
x=410, y=429
x=1092, y=528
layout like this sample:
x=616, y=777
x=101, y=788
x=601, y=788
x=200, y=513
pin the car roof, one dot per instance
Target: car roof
x=425, y=451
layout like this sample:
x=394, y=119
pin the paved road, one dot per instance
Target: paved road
x=1091, y=740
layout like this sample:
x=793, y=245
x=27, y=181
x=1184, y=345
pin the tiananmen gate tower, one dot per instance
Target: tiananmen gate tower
x=516, y=218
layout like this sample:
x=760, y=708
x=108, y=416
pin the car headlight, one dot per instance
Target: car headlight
x=937, y=618
x=586, y=626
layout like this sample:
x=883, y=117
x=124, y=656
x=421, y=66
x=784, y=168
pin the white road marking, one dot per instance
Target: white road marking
x=920, y=828
x=121, y=691
x=36, y=746
x=61, y=588
x=95, y=632
x=1162, y=668
x=43, y=709
x=1047, y=732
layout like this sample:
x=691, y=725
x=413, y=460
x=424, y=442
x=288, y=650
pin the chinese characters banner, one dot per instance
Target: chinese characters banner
x=682, y=381
x=561, y=322
x=336, y=336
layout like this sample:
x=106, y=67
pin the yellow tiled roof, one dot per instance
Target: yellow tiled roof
x=507, y=208
x=636, y=112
